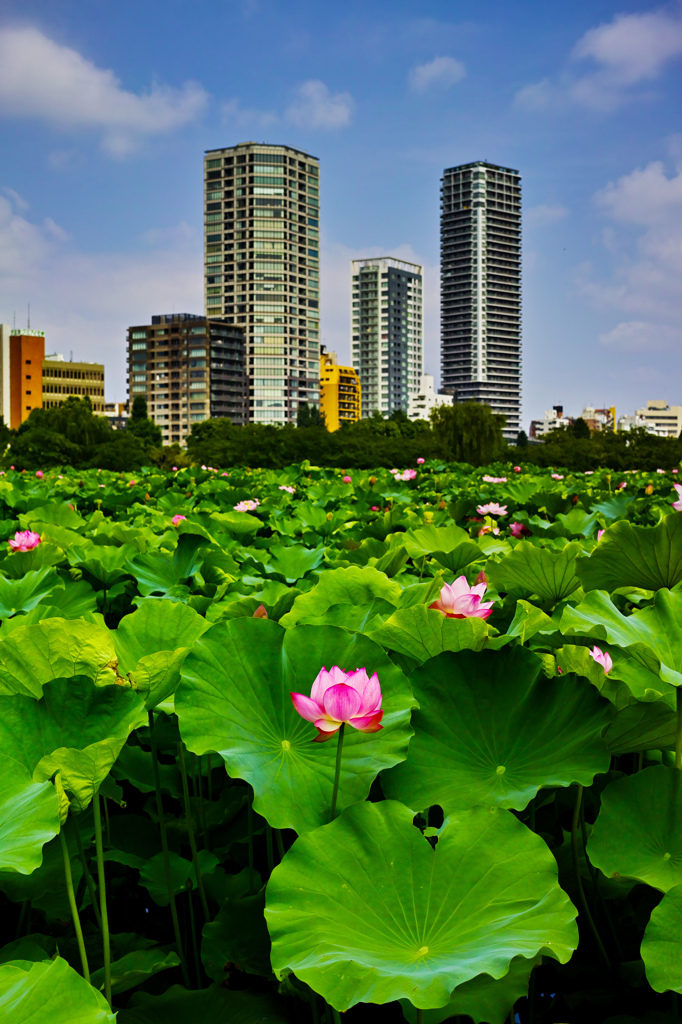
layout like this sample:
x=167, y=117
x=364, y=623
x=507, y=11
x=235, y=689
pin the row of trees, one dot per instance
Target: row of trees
x=72, y=435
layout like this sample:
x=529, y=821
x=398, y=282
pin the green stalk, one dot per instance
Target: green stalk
x=337, y=772
x=280, y=843
x=420, y=1016
x=200, y=795
x=106, y=822
x=269, y=849
x=88, y=877
x=578, y=880
x=210, y=776
x=249, y=818
x=106, y=944
x=678, y=731
x=193, y=927
x=22, y=918
x=336, y=1016
x=190, y=832
x=72, y=903
x=595, y=886
x=166, y=857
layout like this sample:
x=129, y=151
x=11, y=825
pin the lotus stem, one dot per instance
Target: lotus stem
x=269, y=849
x=578, y=880
x=420, y=1016
x=101, y=882
x=678, y=730
x=193, y=928
x=72, y=903
x=249, y=818
x=88, y=877
x=166, y=857
x=280, y=843
x=107, y=829
x=337, y=772
x=595, y=886
x=190, y=832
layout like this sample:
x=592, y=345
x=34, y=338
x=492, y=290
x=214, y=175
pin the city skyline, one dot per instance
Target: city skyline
x=100, y=202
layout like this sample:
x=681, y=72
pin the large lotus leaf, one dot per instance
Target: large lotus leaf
x=238, y=935
x=157, y=625
x=529, y=620
x=577, y=522
x=153, y=874
x=662, y=944
x=649, y=557
x=483, y=998
x=237, y=523
x=638, y=833
x=234, y=698
x=364, y=909
x=29, y=817
x=577, y=658
x=155, y=572
x=211, y=1005
x=428, y=539
x=24, y=594
x=461, y=556
x=491, y=729
x=615, y=507
x=134, y=968
x=530, y=570
x=76, y=727
x=355, y=587
x=50, y=991
x=56, y=513
x=653, y=635
x=642, y=726
x=291, y=564
x=18, y=563
x=104, y=562
x=55, y=648
x=421, y=633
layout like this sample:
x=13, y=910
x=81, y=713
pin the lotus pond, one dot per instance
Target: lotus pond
x=469, y=809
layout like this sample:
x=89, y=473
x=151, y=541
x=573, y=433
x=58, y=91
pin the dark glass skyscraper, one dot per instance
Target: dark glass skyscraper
x=481, y=288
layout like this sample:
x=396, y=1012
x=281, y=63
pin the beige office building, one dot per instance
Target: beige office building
x=262, y=269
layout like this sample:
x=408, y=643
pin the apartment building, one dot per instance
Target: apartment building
x=340, y=391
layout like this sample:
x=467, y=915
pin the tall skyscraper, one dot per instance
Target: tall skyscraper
x=481, y=288
x=262, y=221
x=388, y=345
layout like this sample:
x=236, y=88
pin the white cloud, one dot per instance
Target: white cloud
x=233, y=113
x=626, y=52
x=643, y=336
x=44, y=79
x=18, y=200
x=336, y=302
x=84, y=301
x=439, y=73
x=315, y=107
x=538, y=216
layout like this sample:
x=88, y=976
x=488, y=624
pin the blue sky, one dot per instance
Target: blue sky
x=106, y=109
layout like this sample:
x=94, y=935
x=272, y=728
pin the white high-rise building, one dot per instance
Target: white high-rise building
x=426, y=399
x=387, y=332
x=262, y=268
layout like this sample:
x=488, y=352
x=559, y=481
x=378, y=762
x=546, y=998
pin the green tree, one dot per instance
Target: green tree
x=580, y=428
x=145, y=430
x=309, y=416
x=468, y=432
x=522, y=439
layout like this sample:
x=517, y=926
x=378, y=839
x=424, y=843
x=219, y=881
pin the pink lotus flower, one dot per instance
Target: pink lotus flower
x=408, y=474
x=675, y=471
x=260, y=612
x=621, y=486
x=374, y=508
x=557, y=476
x=131, y=483
x=660, y=471
x=420, y=461
x=488, y=529
x=517, y=469
x=460, y=601
x=289, y=490
x=248, y=505
x=348, y=479
x=600, y=534
x=520, y=530
x=203, y=467
x=677, y=505
x=177, y=519
x=602, y=658
x=175, y=469
x=339, y=697
x=495, y=479
x=589, y=472
x=492, y=509
x=24, y=540
x=39, y=474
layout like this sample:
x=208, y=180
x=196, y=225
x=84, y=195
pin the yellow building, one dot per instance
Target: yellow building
x=340, y=391
x=62, y=378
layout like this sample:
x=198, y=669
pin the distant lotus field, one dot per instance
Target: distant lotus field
x=316, y=746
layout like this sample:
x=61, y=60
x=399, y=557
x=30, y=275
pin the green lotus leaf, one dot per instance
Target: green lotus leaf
x=134, y=968
x=483, y=998
x=529, y=620
x=237, y=523
x=18, y=563
x=364, y=909
x=426, y=540
x=531, y=570
x=56, y=513
x=76, y=727
x=642, y=726
x=213, y=1004
x=106, y=563
x=491, y=729
x=649, y=557
x=292, y=564
x=577, y=523
x=29, y=817
x=356, y=588
x=615, y=507
x=52, y=649
x=156, y=574
x=50, y=991
x=662, y=944
x=24, y=594
x=234, y=698
x=638, y=833
x=153, y=875
x=652, y=636
x=422, y=633
x=238, y=935
x=26, y=949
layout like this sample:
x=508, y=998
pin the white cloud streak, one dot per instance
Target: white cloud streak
x=40, y=78
x=315, y=107
x=439, y=73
